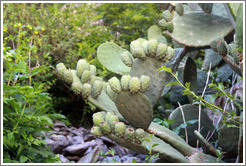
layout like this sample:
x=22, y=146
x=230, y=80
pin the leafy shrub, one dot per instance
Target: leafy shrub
x=129, y=21
x=27, y=106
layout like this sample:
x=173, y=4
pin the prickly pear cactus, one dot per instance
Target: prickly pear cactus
x=197, y=28
x=127, y=100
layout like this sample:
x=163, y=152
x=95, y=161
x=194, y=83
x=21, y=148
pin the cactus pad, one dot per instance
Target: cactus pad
x=135, y=108
x=151, y=67
x=93, y=70
x=109, y=56
x=197, y=29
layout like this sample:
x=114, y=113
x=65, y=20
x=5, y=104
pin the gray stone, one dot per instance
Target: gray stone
x=63, y=159
x=57, y=137
x=78, y=140
x=58, y=146
x=90, y=157
x=225, y=72
x=79, y=148
x=191, y=112
x=228, y=139
x=211, y=57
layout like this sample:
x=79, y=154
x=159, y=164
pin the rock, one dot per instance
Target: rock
x=57, y=137
x=228, y=140
x=89, y=137
x=58, y=146
x=78, y=140
x=59, y=124
x=73, y=158
x=90, y=157
x=63, y=159
x=49, y=141
x=79, y=148
x=201, y=80
x=176, y=95
x=210, y=57
x=111, y=159
x=225, y=72
x=70, y=139
x=191, y=112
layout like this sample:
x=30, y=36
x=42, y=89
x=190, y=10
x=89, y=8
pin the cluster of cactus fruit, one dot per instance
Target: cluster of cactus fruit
x=127, y=103
x=108, y=123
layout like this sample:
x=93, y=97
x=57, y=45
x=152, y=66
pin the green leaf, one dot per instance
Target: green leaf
x=154, y=145
x=23, y=159
x=172, y=83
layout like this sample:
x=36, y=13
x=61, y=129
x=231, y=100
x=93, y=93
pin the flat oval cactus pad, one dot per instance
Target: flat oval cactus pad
x=198, y=29
x=135, y=108
x=109, y=56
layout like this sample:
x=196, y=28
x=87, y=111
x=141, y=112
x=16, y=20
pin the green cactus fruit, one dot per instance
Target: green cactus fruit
x=167, y=15
x=68, y=76
x=111, y=119
x=110, y=92
x=93, y=70
x=81, y=66
x=130, y=134
x=137, y=50
x=134, y=85
x=153, y=44
x=86, y=90
x=145, y=45
x=206, y=7
x=232, y=50
x=77, y=87
x=213, y=44
x=169, y=54
x=105, y=128
x=94, y=78
x=163, y=24
x=221, y=47
x=61, y=68
x=119, y=129
x=125, y=79
x=96, y=89
x=115, y=84
x=96, y=131
x=97, y=118
x=170, y=27
x=161, y=51
x=86, y=76
x=139, y=135
x=179, y=8
x=144, y=82
x=126, y=58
